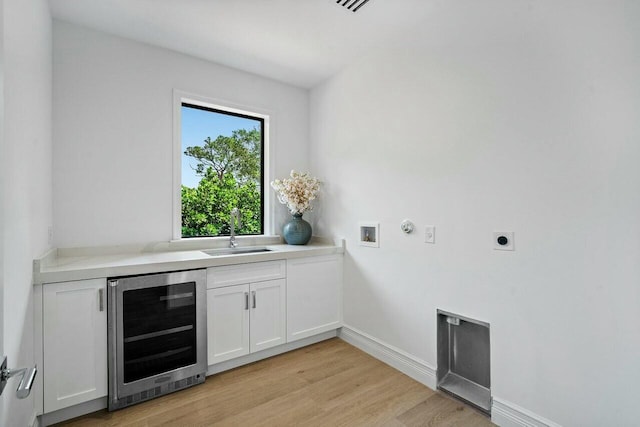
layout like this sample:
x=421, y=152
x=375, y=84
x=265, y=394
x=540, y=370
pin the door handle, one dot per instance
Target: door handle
x=253, y=294
x=246, y=300
x=27, y=376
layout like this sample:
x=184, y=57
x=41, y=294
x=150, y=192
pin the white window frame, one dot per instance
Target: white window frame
x=180, y=97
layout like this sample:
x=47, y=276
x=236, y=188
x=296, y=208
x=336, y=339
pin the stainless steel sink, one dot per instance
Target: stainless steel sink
x=236, y=251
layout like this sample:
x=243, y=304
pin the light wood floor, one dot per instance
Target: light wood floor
x=327, y=384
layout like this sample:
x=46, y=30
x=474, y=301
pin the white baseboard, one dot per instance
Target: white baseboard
x=73, y=411
x=503, y=413
x=34, y=421
x=402, y=361
x=507, y=414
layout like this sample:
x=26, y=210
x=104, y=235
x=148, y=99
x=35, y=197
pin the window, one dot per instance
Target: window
x=222, y=167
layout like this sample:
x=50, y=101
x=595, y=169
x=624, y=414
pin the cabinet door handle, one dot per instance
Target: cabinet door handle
x=246, y=300
x=101, y=299
x=253, y=294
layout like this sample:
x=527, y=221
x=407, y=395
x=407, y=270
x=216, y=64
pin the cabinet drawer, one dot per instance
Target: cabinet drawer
x=218, y=277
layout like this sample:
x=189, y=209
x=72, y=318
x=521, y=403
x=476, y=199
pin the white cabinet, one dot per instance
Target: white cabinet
x=74, y=330
x=245, y=309
x=314, y=296
x=227, y=323
x=268, y=314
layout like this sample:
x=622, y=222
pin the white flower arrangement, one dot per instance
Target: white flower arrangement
x=297, y=192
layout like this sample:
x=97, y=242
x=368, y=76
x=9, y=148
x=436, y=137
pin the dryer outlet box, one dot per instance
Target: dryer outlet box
x=504, y=241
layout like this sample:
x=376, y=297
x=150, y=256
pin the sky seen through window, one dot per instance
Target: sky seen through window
x=197, y=125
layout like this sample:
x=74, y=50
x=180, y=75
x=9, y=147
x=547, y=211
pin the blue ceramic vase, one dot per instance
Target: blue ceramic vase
x=297, y=231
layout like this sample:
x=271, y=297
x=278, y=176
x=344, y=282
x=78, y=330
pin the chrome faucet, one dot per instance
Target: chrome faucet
x=235, y=216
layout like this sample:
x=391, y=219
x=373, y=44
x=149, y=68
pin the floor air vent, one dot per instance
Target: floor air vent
x=464, y=359
x=144, y=395
x=352, y=5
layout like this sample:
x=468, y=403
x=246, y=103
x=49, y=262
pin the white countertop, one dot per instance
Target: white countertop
x=60, y=265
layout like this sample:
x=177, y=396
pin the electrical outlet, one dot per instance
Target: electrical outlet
x=504, y=241
x=430, y=234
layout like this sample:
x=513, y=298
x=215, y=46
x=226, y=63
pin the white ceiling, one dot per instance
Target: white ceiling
x=300, y=42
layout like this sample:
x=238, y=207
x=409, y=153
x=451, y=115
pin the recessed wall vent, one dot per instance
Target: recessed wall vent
x=352, y=5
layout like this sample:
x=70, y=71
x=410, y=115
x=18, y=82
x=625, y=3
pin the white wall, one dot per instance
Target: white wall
x=113, y=117
x=501, y=115
x=26, y=165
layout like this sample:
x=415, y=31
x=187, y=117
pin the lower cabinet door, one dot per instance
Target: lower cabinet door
x=227, y=323
x=268, y=314
x=314, y=296
x=75, y=342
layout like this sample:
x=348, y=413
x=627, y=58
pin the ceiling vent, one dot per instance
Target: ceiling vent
x=352, y=5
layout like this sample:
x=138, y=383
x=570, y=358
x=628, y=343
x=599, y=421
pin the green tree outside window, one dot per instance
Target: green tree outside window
x=230, y=170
